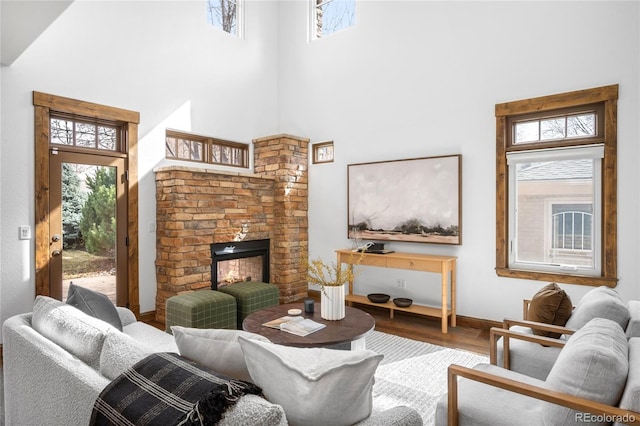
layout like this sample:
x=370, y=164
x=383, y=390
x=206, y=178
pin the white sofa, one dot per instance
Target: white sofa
x=58, y=359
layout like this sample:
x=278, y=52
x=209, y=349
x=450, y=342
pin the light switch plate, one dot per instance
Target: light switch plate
x=25, y=232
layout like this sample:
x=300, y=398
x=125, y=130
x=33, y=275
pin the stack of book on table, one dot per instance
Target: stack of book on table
x=295, y=325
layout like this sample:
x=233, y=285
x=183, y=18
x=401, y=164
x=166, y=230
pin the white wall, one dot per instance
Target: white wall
x=421, y=78
x=412, y=79
x=159, y=58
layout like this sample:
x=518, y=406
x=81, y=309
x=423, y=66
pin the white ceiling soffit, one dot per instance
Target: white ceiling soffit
x=22, y=22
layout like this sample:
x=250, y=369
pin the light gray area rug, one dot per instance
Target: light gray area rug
x=413, y=373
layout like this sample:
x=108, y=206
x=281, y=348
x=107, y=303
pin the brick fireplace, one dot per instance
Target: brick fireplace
x=197, y=207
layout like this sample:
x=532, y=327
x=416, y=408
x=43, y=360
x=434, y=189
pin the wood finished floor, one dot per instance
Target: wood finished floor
x=425, y=329
x=428, y=330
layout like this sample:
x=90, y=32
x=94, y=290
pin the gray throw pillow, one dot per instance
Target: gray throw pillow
x=95, y=304
x=315, y=386
x=593, y=364
x=215, y=348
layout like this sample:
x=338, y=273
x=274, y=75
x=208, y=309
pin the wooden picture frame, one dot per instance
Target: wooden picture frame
x=413, y=200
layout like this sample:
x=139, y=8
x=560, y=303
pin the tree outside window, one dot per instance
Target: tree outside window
x=225, y=14
x=330, y=16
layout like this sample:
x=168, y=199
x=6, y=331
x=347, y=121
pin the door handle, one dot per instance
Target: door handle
x=56, y=253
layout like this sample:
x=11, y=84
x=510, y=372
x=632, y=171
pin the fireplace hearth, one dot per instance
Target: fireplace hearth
x=240, y=261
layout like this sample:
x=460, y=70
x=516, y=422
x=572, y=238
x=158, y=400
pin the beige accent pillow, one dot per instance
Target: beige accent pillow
x=315, y=386
x=217, y=349
x=550, y=305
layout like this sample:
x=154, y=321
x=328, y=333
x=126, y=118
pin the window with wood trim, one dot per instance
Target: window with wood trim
x=322, y=152
x=202, y=149
x=556, y=188
x=85, y=134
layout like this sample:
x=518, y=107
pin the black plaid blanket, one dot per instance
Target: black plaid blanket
x=166, y=389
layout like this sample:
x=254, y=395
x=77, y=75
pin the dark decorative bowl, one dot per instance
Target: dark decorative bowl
x=401, y=302
x=378, y=297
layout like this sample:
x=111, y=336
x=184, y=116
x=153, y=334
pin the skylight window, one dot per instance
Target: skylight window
x=330, y=16
x=226, y=15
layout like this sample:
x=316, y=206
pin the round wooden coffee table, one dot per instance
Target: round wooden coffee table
x=347, y=333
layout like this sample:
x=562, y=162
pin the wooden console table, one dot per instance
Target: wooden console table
x=444, y=265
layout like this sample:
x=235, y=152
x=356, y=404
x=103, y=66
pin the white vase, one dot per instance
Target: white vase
x=332, y=302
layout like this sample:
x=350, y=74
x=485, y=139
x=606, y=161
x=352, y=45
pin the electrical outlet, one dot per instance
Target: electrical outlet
x=401, y=282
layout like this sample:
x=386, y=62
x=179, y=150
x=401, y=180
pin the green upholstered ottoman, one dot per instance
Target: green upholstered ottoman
x=202, y=309
x=251, y=296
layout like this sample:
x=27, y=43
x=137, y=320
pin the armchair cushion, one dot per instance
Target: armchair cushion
x=550, y=305
x=529, y=358
x=484, y=405
x=633, y=327
x=631, y=395
x=601, y=302
x=593, y=364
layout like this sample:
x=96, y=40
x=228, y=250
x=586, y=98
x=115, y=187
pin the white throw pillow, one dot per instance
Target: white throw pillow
x=119, y=353
x=315, y=386
x=78, y=333
x=217, y=349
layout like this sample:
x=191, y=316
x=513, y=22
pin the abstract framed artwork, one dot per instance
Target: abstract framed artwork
x=412, y=200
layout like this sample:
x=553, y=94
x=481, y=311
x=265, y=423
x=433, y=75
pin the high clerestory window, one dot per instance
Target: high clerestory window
x=226, y=15
x=84, y=134
x=330, y=16
x=203, y=149
x=556, y=188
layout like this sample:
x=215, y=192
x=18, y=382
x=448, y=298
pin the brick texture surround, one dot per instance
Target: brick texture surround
x=196, y=207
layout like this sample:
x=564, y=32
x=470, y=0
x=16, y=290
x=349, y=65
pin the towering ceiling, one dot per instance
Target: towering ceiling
x=22, y=22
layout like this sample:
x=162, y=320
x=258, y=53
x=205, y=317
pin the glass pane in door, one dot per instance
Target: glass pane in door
x=89, y=228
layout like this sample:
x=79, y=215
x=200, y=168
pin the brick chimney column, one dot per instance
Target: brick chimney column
x=286, y=158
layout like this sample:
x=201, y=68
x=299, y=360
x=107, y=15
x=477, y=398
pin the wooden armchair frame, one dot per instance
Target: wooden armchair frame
x=495, y=333
x=536, y=392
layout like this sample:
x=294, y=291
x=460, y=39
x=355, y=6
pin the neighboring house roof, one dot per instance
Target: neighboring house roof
x=549, y=170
